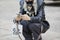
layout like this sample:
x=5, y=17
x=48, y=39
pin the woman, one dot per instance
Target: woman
x=32, y=24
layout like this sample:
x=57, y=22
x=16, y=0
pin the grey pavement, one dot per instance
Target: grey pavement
x=8, y=10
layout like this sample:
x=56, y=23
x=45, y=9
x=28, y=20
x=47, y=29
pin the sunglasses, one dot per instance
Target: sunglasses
x=29, y=2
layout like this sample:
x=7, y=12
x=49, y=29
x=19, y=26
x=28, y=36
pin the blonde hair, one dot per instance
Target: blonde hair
x=34, y=4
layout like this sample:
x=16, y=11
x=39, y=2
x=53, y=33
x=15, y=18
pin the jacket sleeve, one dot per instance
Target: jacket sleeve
x=21, y=5
x=40, y=13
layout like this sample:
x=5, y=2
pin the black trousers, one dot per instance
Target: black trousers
x=31, y=30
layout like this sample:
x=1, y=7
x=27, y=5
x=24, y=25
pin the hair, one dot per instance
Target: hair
x=29, y=0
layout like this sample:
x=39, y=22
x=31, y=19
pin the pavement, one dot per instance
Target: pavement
x=9, y=9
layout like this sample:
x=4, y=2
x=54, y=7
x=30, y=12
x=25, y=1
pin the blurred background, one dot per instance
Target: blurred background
x=52, y=1
x=9, y=9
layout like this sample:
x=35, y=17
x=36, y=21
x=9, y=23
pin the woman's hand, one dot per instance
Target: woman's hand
x=22, y=17
x=25, y=17
x=18, y=18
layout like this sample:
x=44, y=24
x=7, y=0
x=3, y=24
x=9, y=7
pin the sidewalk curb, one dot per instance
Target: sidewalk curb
x=52, y=3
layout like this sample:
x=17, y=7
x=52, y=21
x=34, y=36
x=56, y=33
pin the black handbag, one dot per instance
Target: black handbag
x=45, y=25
